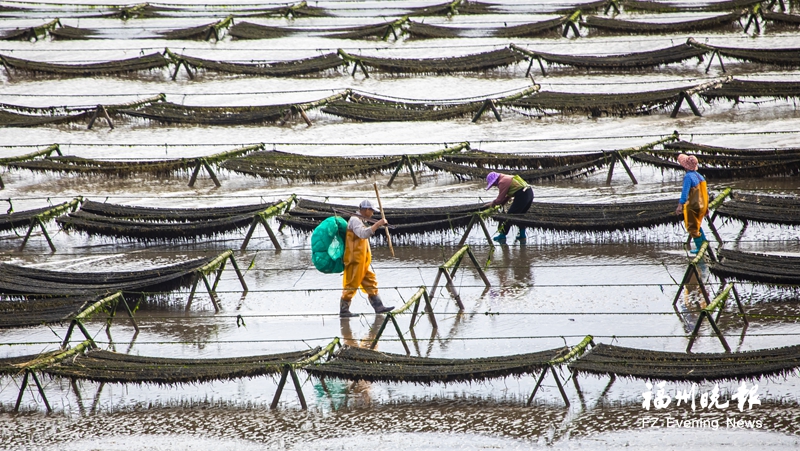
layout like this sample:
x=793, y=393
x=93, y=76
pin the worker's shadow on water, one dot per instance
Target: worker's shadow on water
x=343, y=394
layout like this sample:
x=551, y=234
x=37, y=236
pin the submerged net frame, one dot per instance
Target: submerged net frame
x=721, y=165
x=357, y=364
x=637, y=60
x=783, y=57
x=140, y=63
x=774, y=270
x=737, y=89
x=478, y=62
x=165, y=224
x=155, y=168
x=761, y=209
x=88, y=363
x=25, y=116
x=605, y=25
x=616, y=104
x=172, y=113
x=633, y=363
x=291, y=68
x=274, y=164
x=370, y=108
x=37, y=218
x=30, y=33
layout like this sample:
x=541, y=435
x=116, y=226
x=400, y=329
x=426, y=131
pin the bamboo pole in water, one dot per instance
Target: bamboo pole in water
x=383, y=216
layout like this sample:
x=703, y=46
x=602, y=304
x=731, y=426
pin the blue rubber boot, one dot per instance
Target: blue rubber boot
x=500, y=238
x=521, y=235
x=698, y=242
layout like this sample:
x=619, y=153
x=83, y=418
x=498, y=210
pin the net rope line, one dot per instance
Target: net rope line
x=426, y=143
x=392, y=339
x=376, y=45
x=220, y=94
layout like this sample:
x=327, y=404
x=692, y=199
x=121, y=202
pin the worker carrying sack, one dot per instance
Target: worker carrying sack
x=327, y=245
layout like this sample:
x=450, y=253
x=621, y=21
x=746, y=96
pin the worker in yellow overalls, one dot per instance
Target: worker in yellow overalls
x=693, y=204
x=357, y=260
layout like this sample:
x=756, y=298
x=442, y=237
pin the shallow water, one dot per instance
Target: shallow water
x=554, y=289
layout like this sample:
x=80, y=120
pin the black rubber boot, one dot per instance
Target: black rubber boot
x=377, y=304
x=344, y=309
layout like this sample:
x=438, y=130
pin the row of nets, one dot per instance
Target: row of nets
x=721, y=162
x=277, y=164
x=302, y=9
x=351, y=363
x=477, y=62
x=158, y=224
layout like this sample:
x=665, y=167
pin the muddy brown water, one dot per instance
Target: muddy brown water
x=549, y=291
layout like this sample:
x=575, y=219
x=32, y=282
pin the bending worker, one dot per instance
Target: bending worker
x=510, y=187
x=357, y=259
x=694, y=200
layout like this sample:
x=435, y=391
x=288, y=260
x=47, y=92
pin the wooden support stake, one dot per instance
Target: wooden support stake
x=210, y=292
x=411, y=170
x=713, y=323
x=711, y=60
x=558, y=384
x=451, y=287
x=536, y=387
x=303, y=114
x=277, y=397
x=396, y=171
x=694, y=108
x=678, y=104
x=494, y=110
x=2, y=185
x=27, y=235
x=471, y=224
x=239, y=274
x=478, y=268
x=46, y=235
x=196, y=171
x=211, y=173
x=400, y=334
x=41, y=391
x=130, y=315
x=481, y=110
x=106, y=116
x=191, y=294
x=298, y=388
x=218, y=276
x=250, y=232
x=627, y=169
x=21, y=391
x=611, y=168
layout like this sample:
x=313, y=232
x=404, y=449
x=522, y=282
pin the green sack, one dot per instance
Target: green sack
x=327, y=245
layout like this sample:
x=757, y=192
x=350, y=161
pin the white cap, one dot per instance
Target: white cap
x=365, y=204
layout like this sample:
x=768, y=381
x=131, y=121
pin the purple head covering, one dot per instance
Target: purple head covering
x=491, y=179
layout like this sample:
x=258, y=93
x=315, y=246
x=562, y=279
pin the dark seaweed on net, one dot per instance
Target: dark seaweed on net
x=157, y=224
x=410, y=229
x=594, y=217
x=705, y=149
x=501, y=161
x=172, y=113
x=140, y=63
x=11, y=365
x=633, y=27
x=761, y=268
x=371, y=109
x=784, y=57
x=478, y=62
x=737, y=89
x=20, y=219
x=664, y=7
x=759, y=208
x=275, y=164
x=768, y=166
x=78, y=165
x=393, y=212
x=26, y=280
x=596, y=104
x=289, y=68
x=696, y=367
x=248, y=30
x=37, y=310
x=362, y=364
x=637, y=60
x=783, y=18
x=419, y=30
x=462, y=8
x=112, y=367
x=464, y=172
x=76, y=33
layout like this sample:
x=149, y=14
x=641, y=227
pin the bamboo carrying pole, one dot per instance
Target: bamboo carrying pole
x=383, y=216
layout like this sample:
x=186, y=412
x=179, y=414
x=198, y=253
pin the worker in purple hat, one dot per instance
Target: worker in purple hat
x=511, y=187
